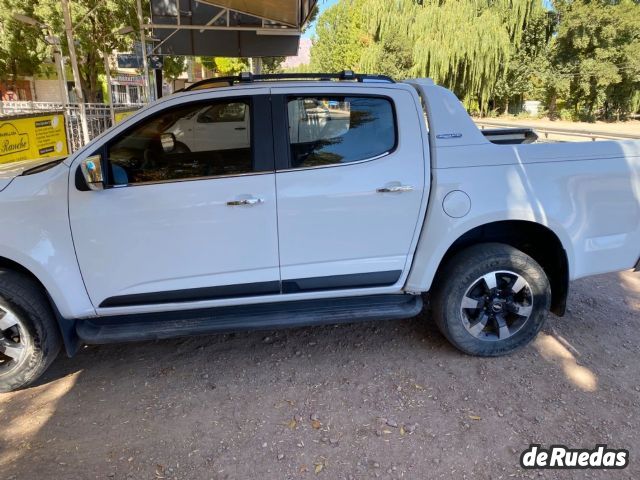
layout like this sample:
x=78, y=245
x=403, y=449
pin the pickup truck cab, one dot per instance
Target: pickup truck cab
x=340, y=198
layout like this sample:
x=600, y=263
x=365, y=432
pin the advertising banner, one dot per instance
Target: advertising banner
x=31, y=137
x=122, y=114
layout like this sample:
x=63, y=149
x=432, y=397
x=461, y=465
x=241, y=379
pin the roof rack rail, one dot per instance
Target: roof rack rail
x=247, y=77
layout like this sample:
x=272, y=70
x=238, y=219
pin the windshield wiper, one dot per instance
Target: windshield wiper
x=42, y=167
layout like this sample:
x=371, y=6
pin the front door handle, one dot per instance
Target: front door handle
x=395, y=189
x=245, y=202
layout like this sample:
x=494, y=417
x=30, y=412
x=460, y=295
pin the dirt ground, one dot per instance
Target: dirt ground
x=376, y=400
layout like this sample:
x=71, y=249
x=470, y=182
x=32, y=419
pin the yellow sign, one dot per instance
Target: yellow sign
x=34, y=137
x=122, y=115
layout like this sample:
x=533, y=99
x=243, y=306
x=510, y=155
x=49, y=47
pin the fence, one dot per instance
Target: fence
x=98, y=116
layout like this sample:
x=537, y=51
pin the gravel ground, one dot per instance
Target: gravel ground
x=375, y=400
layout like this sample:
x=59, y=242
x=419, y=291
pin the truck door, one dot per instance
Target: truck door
x=183, y=227
x=350, y=184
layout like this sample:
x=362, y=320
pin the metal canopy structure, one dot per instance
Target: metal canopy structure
x=228, y=28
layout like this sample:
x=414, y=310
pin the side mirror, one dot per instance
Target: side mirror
x=92, y=171
x=168, y=142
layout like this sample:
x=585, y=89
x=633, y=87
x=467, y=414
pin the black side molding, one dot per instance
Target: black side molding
x=194, y=294
x=315, y=284
x=637, y=269
x=337, y=282
x=154, y=326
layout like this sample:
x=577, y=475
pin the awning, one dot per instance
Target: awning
x=287, y=12
x=229, y=28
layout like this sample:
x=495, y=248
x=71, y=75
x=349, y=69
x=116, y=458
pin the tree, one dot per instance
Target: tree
x=22, y=47
x=228, y=66
x=528, y=69
x=272, y=64
x=225, y=66
x=598, y=49
x=461, y=44
x=173, y=66
x=94, y=34
x=340, y=38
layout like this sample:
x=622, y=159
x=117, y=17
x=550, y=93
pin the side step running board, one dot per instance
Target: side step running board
x=129, y=328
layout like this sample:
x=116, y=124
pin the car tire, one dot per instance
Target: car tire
x=491, y=299
x=29, y=336
x=181, y=148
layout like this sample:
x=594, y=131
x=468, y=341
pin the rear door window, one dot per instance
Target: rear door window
x=334, y=130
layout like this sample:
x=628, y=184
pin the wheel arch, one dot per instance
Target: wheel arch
x=536, y=240
x=66, y=328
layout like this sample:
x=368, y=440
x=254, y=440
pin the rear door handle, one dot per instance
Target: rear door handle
x=245, y=202
x=395, y=189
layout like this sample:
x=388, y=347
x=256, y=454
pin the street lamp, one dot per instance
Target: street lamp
x=54, y=42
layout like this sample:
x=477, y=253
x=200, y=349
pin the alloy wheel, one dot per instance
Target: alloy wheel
x=497, y=305
x=13, y=340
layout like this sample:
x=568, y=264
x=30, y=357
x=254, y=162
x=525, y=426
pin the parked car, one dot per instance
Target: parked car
x=345, y=200
x=213, y=128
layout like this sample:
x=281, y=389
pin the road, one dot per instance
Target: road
x=601, y=130
x=378, y=400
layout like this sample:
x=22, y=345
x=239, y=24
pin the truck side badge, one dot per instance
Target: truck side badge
x=449, y=135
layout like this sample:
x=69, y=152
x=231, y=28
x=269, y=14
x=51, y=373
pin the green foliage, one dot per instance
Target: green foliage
x=302, y=68
x=224, y=66
x=525, y=74
x=461, y=44
x=584, y=55
x=597, y=50
x=341, y=38
x=208, y=62
x=173, y=66
x=229, y=66
x=272, y=64
x=22, y=47
x=93, y=36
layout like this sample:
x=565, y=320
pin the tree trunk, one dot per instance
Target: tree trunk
x=553, y=107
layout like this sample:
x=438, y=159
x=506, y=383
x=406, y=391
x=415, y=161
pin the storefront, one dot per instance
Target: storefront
x=127, y=88
x=18, y=90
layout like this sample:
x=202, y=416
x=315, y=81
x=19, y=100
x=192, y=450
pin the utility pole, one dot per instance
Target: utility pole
x=143, y=44
x=54, y=42
x=74, y=66
x=107, y=72
x=255, y=65
x=60, y=71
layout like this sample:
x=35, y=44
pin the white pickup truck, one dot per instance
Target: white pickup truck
x=345, y=198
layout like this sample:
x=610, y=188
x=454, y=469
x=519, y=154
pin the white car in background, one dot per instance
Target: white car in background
x=216, y=127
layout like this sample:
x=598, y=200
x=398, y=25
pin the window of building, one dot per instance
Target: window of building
x=134, y=94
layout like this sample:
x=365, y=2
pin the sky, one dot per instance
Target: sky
x=323, y=4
